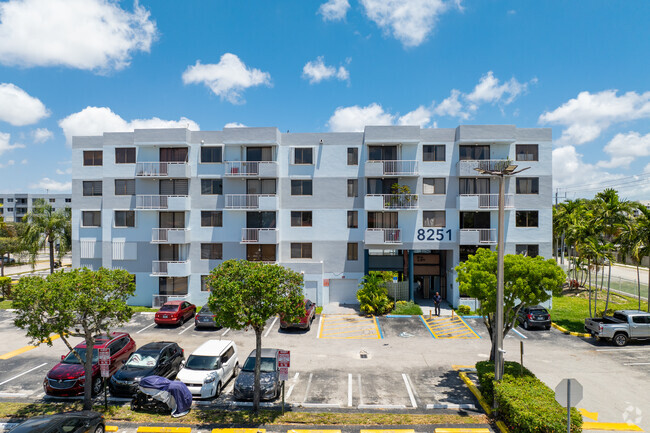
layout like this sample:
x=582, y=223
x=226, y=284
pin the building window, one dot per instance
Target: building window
x=124, y=218
x=173, y=154
x=475, y=220
x=527, y=218
x=473, y=152
x=91, y=218
x=260, y=186
x=435, y=185
x=204, y=285
x=211, y=186
x=303, y=155
x=301, y=187
x=471, y=185
x=10, y=209
x=92, y=187
x=125, y=155
x=68, y=200
x=173, y=187
x=353, y=188
x=383, y=220
x=211, y=218
x=353, y=156
x=92, y=157
x=211, y=155
x=211, y=251
x=353, y=219
x=124, y=186
x=382, y=153
x=433, y=152
x=527, y=250
x=433, y=218
x=353, y=251
x=52, y=200
x=172, y=286
x=301, y=218
x=300, y=251
x=11, y=200
x=260, y=252
x=527, y=185
x=466, y=251
x=527, y=152
x=171, y=220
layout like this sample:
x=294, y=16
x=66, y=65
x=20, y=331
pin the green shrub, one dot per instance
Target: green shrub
x=407, y=308
x=5, y=287
x=373, y=295
x=485, y=371
x=526, y=405
x=464, y=310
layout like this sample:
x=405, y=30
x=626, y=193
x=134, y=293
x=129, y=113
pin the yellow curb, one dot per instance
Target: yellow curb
x=406, y=430
x=111, y=428
x=164, y=429
x=24, y=349
x=462, y=430
x=461, y=367
x=610, y=426
x=242, y=430
x=566, y=331
x=481, y=400
x=585, y=413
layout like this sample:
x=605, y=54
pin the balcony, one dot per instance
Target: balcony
x=159, y=300
x=484, y=201
x=251, y=169
x=383, y=236
x=252, y=201
x=162, y=169
x=259, y=236
x=391, y=168
x=478, y=236
x=170, y=268
x=466, y=167
x=170, y=236
x=167, y=202
x=379, y=202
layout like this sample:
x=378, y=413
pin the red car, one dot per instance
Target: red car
x=305, y=321
x=174, y=313
x=67, y=377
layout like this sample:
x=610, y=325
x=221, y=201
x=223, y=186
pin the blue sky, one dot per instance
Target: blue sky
x=79, y=67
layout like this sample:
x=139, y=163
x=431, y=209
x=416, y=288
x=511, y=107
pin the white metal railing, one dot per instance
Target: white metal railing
x=398, y=201
x=153, y=201
x=159, y=300
x=245, y=168
x=154, y=168
x=485, y=236
x=400, y=167
x=391, y=236
x=244, y=201
x=162, y=234
x=160, y=267
x=484, y=164
x=253, y=235
x=491, y=201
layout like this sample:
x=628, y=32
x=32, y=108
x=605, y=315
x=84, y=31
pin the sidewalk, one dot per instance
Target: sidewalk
x=41, y=265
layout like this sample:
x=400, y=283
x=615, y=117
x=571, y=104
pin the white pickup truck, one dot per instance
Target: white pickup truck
x=623, y=326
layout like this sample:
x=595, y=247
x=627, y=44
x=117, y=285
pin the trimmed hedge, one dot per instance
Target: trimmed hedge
x=464, y=309
x=5, y=287
x=525, y=403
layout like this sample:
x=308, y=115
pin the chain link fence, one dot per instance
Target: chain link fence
x=618, y=284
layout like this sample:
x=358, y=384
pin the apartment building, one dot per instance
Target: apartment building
x=16, y=206
x=169, y=205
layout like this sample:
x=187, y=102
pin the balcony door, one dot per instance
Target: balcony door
x=382, y=220
x=260, y=253
x=260, y=186
x=382, y=153
x=173, y=154
x=475, y=220
x=472, y=185
x=259, y=153
x=172, y=220
x=260, y=220
x=173, y=186
x=380, y=186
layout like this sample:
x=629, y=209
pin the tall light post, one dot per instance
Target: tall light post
x=497, y=343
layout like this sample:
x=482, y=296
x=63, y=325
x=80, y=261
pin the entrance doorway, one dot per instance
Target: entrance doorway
x=429, y=271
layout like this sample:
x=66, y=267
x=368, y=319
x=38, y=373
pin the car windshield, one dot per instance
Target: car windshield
x=169, y=308
x=71, y=359
x=267, y=365
x=143, y=360
x=206, y=309
x=196, y=362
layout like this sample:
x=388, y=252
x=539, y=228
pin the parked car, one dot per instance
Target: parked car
x=205, y=318
x=623, y=326
x=209, y=367
x=67, y=377
x=162, y=358
x=174, y=313
x=305, y=320
x=269, y=377
x=7, y=260
x=69, y=422
x=534, y=316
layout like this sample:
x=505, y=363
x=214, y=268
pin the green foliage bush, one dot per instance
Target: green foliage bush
x=407, y=308
x=373, y=295
x=464, y=309
x=485, y=370
x=5, y=287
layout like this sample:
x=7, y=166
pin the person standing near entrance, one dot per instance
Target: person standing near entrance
x=437, y=299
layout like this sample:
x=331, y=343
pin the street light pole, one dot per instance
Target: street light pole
x=498, y=353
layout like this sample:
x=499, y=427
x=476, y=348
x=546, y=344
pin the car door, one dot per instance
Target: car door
x=226, y=364
x=639, y=327
x=72, y=425
x=186, y=310
x=118, y=353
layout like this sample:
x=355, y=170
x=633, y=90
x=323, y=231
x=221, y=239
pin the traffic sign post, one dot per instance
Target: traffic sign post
x=568, y=393
x=284, y=362
x=104, y=366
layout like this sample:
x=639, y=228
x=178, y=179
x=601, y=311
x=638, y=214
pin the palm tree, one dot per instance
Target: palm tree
x=631, y=245
x=47, y=226
x=643, y=237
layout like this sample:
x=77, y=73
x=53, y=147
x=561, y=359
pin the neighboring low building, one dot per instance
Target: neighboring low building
x=16, y=206
x=169, y=205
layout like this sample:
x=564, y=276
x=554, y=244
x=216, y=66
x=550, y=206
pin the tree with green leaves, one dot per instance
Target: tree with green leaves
x=527, y=281
x=9, y=242
x=247, y=294
x=79, y=303
x=48, y=226
x=373, y=293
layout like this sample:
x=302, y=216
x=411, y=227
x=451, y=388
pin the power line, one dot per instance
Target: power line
x=636, y=178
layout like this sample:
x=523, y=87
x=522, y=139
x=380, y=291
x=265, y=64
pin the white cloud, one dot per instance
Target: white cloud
x=409, y=21
x=97, y=120
x=66, y=171
x=355, y=118
x=489, y=90
x=234, y=125
x=646, y=169
x=92, y=35
x=420, y=116
x=570, y=169
x=228, y=78
x=9, y=163
x=17, y=107
x=5, y=145
x=41, y=135
x=334, y=10
x=52, y=185
x=23, y=162
x=588, y=115
x=317, y=71
x=451, y=106
x=623, y=149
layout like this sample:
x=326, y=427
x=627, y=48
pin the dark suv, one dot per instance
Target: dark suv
x=534, y=317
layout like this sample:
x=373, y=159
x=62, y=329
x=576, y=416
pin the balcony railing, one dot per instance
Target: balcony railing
x=485, y=201
x=251, y=201
x=170, y=235
x=161, y=169
x=159, y=300
x=478, y=236
x=251, y=168
x=259, y=236
x=392, y=168
x=170, y=268
x=392, y=201
x=160, y=201
x=467, y=167
x=383, y=236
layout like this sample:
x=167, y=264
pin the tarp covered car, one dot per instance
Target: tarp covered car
x=174, y=394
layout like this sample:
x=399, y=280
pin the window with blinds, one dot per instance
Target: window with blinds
x=211, y=218
x=125, y=155
x=211, y=251
x=91, y=218
x=353, y=219
x=211, y=186
x=301, y=251
x=92, y=188
x=173, y=187
x=93, y=157
x=124, y=186
x=433, y=218
x=173, y=154
x=434, y=185
x=124, y=218
x=211, y=155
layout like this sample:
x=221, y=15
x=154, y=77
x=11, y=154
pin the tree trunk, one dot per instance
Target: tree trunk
x=648, y=298
x=609, y=285
x=258, y=361
x=51, y=242
x=591, y=316
x=88, y=369
x=596, y=293
x=2, y=267
x=638, y=284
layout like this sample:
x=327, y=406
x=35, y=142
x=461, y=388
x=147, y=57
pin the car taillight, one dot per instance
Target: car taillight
x=600, y=328
x=530, y=317
x=214, y=316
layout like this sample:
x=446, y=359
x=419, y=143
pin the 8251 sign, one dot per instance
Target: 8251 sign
x=434, y=235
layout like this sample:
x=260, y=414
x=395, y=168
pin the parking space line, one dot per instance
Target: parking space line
x=145, y=328
x=471, y=329
x=349, y=389
x=449, y=327
x=638, y=363
x=185, y=329
x=295, y=380
x=427, y=325
x=349, y=327
x=23, y=373
x=266, y=334
x=381, y=335
x=308, y=386
x=408, y=389
x=611, y=426
x=628, y=349
x=225, y=332
x=320, y=325
x=520, y=334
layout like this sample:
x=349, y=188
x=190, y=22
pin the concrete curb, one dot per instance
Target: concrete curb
x=566, y=331
x=481, y=400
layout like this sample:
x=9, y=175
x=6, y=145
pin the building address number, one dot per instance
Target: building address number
x=434, y=234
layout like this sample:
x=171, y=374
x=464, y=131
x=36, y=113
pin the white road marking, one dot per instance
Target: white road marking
x=629, y=349
x=320, y=318
x=381, y=406
x=320, y=404
x=308, y=386
x=408, y=389
x=451, y=406
x=24, y=373
x=266, y=334
x=638, y=363
x=145, y=328
x=12, y=394
x=295, y=379
x=360, y=394
x=520, y=334
x=350, y=390
x=225, y=332
x=185, y=329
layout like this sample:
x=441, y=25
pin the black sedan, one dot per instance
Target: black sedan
x=534, y=317
x=154, y=359
x=71, y=422
x=205, y=318
x=269, y=377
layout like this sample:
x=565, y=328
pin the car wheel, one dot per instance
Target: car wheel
x=620, y=339
x=97, y=386
x=217, y=393
x=547, y=327
x=99, y=428
x=235, y=371
x=526, y=326
x=308, y=325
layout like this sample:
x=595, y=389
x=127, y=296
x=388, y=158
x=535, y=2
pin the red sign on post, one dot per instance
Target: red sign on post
x=104, y=361
x=284, y=361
